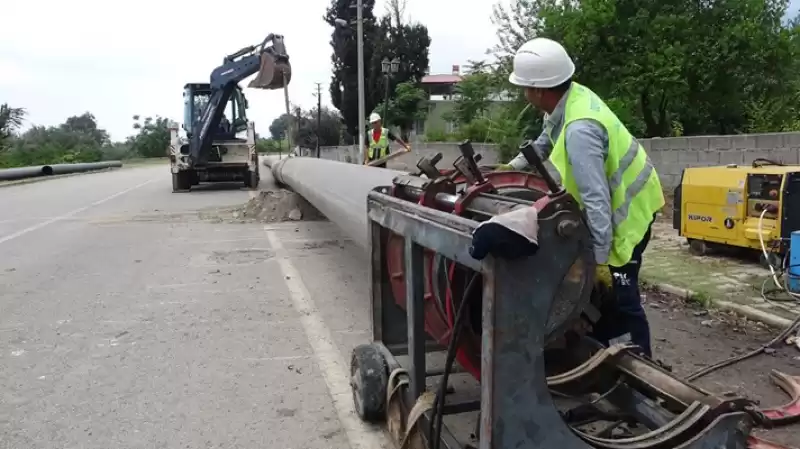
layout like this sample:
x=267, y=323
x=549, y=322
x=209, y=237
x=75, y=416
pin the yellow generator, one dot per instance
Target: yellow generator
x=739, y=206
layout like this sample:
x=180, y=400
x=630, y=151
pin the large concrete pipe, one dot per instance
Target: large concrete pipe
x=337, y=189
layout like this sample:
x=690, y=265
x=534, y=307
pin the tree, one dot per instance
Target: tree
x=672, y=64
x=344, y=81
x=280, y=126
x=86, y=124
x=407, y=42
x=408, y=105
x=517, y=23
x=330, y=130
x=152, y=137
x=51, y=145
x=382, y=39
x=269, y=146
x=11, y=120
x=474, y=96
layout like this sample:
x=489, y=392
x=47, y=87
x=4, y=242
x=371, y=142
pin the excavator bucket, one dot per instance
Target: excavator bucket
x=275, y=72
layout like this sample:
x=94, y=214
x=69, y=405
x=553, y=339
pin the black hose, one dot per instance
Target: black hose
x=733, y=360
x=437, y=418
x=767, y=295
x=736, y=359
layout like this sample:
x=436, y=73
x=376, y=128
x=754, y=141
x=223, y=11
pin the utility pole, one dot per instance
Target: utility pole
x=319, y=113
x=297, y=122
x=362, y=126
x=289, y=126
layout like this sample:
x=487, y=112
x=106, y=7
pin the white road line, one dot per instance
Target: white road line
x=359, y=434
x=206, y=242
x=15, y=220
x=22, y=232
x=275, y=359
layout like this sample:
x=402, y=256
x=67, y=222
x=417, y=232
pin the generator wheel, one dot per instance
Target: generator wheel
x=698, y=247
x=181, y=181
x=369, y=380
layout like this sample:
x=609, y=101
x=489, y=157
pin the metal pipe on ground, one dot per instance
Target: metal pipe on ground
x=63, y=169
x=337, y=189
x=13, y=174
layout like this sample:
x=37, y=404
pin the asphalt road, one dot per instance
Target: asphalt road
x=128, y=320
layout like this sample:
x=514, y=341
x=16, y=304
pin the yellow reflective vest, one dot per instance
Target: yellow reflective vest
x=636, y=193
x=379, y=148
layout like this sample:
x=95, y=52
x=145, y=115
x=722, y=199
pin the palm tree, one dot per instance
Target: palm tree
x=10, y=120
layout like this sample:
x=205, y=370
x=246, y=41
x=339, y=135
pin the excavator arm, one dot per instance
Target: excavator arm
x=269, y=62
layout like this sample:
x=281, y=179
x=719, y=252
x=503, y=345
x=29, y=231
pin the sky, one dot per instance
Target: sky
x=120, y=59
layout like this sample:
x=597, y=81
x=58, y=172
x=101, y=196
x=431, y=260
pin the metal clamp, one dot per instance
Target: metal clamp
x=529, y=151
x=427, y=166
x=467, y=164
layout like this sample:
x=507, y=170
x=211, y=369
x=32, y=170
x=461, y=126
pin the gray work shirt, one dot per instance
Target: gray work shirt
x=586, y=143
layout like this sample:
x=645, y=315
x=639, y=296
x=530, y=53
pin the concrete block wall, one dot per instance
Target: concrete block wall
x=409, y=161
x=669, y=155
x=672, y=155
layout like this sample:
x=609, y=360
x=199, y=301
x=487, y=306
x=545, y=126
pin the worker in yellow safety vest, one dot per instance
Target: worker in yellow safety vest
x=605, y=168
x=377, y=141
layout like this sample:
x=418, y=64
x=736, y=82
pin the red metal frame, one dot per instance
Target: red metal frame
x=758, y=443
x=438, y=322
x=788, y=413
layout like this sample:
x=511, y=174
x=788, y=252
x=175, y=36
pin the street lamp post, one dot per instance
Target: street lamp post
x=388, y=68
x=362, y=125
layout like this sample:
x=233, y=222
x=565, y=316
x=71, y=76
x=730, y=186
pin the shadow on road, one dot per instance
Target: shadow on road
x=219, y=186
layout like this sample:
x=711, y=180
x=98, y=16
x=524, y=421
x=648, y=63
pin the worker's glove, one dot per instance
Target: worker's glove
x=507, y=236
x=603, y=276
x=504, y=167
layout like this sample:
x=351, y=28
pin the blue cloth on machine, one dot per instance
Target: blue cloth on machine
x=511, y=235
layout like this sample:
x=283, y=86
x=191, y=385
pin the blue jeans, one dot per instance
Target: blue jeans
x=625, y=316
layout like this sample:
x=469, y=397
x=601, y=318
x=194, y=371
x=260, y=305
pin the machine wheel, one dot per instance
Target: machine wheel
x=251, y=179
x=369, y=380
x=181, y=181
x=698, y=247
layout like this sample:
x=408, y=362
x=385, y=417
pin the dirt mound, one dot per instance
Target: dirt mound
x=280, y=205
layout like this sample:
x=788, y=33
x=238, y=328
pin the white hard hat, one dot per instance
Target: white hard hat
x=541, y=62
x=374, y=117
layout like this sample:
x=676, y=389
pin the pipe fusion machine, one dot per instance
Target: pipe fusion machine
x=518, y=327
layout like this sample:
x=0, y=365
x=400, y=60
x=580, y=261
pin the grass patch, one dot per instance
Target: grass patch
x=701, y=299
x=136, y=162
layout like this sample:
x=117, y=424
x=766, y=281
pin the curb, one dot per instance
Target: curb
x=752, y=313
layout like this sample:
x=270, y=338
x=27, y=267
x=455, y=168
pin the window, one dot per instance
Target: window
x=200, y=103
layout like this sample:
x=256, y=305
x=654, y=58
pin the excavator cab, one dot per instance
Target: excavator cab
x=195, y=98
